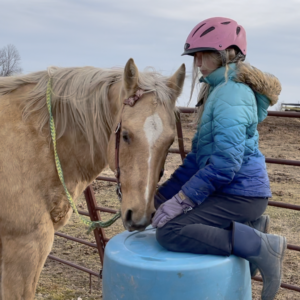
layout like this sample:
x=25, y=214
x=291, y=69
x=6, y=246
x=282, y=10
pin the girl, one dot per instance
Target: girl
x=219, y=193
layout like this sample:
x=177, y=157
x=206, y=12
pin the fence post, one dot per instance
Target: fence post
x=95, y=216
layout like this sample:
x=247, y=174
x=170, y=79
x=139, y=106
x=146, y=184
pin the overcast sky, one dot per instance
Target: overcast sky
x=106, y=33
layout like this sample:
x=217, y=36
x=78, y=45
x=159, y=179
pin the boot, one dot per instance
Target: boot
x=261, y=224
x=266, y=251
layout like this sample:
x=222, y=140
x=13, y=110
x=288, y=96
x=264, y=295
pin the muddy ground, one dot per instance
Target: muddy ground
x=279, y=138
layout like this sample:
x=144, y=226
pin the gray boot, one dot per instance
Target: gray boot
x=264, y=250
x=261, y=224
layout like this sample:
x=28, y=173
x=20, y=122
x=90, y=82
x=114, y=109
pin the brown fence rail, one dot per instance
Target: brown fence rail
x=94, y=210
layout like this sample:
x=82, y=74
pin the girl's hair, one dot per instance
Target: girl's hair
x=220, y=58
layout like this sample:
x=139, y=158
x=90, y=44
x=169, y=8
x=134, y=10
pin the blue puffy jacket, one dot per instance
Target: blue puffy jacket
x=225, y=156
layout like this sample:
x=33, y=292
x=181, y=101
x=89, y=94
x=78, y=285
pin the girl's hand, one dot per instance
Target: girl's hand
x=172, y=208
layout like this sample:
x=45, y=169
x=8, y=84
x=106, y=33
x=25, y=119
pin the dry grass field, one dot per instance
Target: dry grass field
x=279, y=138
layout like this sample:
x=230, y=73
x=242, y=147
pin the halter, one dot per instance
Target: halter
x=131, y=102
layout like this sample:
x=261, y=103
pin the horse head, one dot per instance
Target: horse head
x=146, y=133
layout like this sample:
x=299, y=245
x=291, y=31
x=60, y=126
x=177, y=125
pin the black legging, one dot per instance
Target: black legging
x=207, y=229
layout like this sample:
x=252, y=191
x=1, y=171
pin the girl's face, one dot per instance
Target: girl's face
x=207, y=62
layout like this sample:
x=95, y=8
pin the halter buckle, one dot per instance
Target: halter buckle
x=118, y=127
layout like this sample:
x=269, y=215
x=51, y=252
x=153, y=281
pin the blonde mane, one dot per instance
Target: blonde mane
x=80, y=99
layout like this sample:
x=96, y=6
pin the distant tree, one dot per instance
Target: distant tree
x=9, y=61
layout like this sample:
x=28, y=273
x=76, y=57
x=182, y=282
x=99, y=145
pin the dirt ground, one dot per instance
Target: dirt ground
x=279, y=138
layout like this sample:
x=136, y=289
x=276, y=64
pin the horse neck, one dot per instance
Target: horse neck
x=77, y=162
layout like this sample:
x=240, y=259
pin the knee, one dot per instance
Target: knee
x=167, y=237
x=163, y=236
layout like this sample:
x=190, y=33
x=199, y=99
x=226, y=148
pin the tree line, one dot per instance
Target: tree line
x=10, y=60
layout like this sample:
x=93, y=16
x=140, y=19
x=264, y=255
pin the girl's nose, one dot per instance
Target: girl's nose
x=199, y=60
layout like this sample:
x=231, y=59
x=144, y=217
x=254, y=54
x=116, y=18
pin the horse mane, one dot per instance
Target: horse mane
x=80, y=99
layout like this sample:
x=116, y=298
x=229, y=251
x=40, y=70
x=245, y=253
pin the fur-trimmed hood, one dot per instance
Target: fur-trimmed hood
x=262, y=83
x=266, y=87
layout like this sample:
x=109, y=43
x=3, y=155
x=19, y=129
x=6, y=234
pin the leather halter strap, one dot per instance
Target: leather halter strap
x=131, y=102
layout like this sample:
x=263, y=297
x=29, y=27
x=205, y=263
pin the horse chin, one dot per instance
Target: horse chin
x=135, y=228
x=132, y=227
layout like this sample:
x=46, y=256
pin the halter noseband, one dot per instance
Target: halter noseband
x=131, y=102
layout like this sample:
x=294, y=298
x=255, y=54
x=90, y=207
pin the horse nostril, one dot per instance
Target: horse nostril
x=128, y=215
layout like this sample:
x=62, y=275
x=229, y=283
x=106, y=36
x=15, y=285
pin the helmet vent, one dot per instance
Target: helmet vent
x=225, y=23
x=238, y=29
x=186, y=46
x=207, y=31
x=198, y=29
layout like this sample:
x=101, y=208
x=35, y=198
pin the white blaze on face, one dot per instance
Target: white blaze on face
x=153, y=128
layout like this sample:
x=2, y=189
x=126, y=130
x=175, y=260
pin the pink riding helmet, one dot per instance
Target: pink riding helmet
x=216, y=34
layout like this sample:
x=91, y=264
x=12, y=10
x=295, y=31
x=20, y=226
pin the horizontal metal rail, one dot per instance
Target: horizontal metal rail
x=284, y=205
x=84, y=213
x=268, y=160
x=290, y=104
x=106, y=209
x=103, y=209
x=283, y=285
x=283, y=114
x=172, y=150
x=106, y=178
x=73, y=265
x=293, y=247
x=283, y=162
x=74, y=239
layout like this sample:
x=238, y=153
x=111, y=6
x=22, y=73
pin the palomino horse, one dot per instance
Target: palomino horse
x=86, y=105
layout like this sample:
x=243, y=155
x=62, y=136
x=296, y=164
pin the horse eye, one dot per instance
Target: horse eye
x=125, y=137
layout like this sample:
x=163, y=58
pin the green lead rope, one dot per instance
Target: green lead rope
x=92, y=225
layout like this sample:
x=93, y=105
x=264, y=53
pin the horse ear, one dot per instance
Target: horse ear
x=130, y=78
x=176, y=81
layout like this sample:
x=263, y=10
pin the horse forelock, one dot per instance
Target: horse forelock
x=80, y=99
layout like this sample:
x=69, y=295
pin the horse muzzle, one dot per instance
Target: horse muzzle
x=130, y=223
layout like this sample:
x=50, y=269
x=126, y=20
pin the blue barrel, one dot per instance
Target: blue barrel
x=136, y=267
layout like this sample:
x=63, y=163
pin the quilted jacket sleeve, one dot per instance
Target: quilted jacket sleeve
x=181, y=175
x=229, y=123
